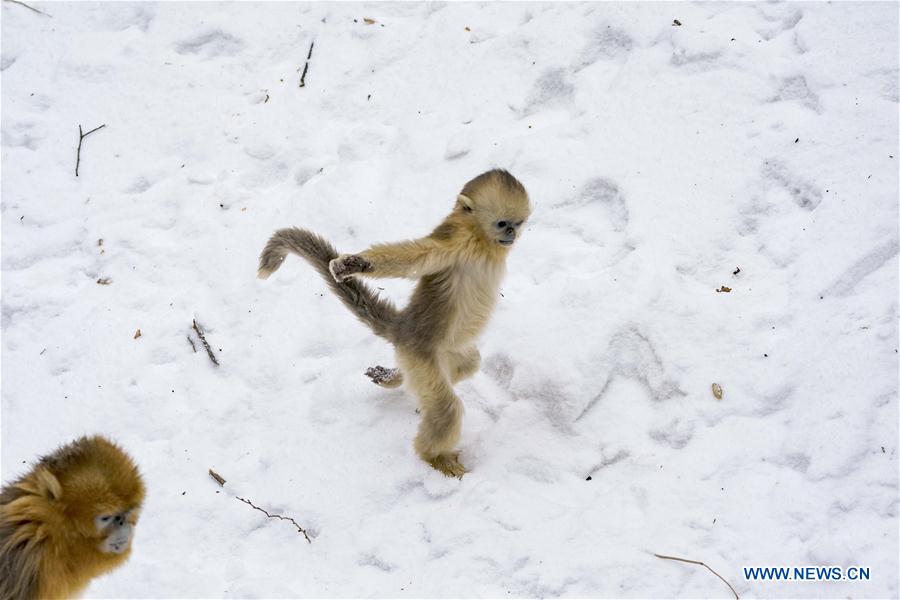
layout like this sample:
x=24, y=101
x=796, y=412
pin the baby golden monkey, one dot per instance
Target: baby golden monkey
x=68, y=520
x=459, y=267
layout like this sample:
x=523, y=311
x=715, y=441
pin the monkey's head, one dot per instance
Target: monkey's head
x=497, y=203
x=96, y=492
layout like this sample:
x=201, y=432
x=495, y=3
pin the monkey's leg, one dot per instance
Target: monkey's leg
x=462, y=364
x=386, y=378
x=441, y=414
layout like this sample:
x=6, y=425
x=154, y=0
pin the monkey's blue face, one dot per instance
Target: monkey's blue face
x=117, y=530
x=507, y=230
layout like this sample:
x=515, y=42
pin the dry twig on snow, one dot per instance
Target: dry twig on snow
x=271, y=516
x=219, y=479
x=702, y=564
x=40, y=12
x=81, y=139
x=306, y=66
x=202, y=337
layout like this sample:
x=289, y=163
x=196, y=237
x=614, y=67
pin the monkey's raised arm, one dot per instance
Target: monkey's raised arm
x=411, y=259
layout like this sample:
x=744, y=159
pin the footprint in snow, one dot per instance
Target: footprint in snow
x=210, y=44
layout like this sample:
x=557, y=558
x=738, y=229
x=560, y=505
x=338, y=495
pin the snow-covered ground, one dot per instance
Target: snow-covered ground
x=661, y=158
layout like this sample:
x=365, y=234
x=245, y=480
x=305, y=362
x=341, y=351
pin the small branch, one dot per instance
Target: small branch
x=265, y=512
x=81, y=137
x=306, y=66
x=202, y=337
x=191, y=342
x=219, y=479
x=40, y=12
x=702, y=564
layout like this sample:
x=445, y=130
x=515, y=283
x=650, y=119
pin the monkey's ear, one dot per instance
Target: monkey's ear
x=43, y=483
x=465, y=203
x=48, y=485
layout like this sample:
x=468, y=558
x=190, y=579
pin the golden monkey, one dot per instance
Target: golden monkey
x=459, y=267
x=70, y=519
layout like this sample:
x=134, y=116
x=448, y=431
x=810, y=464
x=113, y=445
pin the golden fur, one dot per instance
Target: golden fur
x=68, y=520
x=459, y=267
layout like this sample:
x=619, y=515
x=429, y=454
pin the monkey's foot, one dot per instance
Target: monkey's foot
x=386, y=378
x=449, y=465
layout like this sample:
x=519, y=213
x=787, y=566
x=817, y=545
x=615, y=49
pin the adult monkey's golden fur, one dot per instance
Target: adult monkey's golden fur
x=459, y=267
x=70, y=519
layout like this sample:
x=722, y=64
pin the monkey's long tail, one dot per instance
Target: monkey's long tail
x=379, y=314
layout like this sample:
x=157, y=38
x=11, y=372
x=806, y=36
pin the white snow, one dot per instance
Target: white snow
x=660, y=158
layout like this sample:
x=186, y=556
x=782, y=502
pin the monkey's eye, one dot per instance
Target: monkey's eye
x=106, y=518
x=519, y=224
x=502, y=224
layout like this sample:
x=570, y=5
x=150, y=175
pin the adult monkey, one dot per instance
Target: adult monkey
x=68, y=520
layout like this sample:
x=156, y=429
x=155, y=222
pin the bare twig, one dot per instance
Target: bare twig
x=81, y=137
x=306, y=66
x=702, y=564
x=40, y=12
x=191, y=342
x=219, y=479
x=202, y=337
x=297, y=525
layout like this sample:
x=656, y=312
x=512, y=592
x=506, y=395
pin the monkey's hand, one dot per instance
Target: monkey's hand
x=347, y=265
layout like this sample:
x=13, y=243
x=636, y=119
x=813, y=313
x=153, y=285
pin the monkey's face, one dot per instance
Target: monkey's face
x=115, y=530
x=502, y=221
x=498, y=205
x=506, y=231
